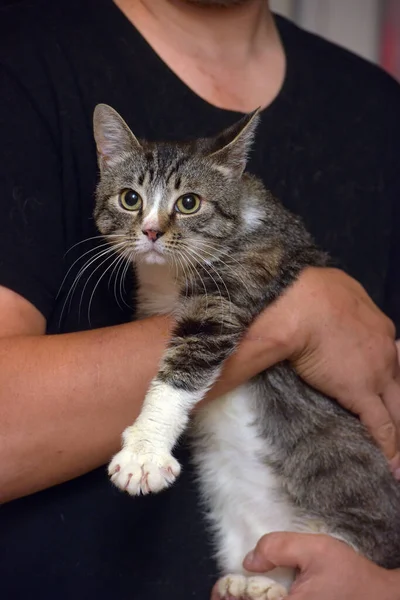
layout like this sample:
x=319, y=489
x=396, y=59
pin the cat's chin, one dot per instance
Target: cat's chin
x=154, y=258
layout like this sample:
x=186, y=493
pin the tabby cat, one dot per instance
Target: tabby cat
x=213, y=247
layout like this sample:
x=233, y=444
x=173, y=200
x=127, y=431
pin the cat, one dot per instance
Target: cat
x=213, y=247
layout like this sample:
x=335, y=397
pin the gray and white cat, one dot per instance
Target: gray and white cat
x=213, y=247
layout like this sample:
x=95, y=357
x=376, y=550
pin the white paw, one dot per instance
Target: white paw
x=248, y=588
x=142, y=473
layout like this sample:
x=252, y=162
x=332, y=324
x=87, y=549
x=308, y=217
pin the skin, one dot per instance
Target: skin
x=328, y=568
x=204, y=43
x=70, y=396
x=218, y=52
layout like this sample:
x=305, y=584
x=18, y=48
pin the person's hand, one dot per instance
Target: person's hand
x=327, y=568
x=343, y=345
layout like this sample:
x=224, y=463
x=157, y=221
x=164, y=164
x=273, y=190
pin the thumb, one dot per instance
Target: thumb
x=284, y=549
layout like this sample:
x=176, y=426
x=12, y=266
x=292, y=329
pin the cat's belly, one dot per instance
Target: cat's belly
x=242, y=493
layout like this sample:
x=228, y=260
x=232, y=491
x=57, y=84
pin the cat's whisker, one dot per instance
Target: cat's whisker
x=218, y=250
x=204, y=266
x=210, y=265
x=127, y=262
x=179, y=264
x=193, y=270
x=108, y=250
x=94, y=237
x=80, y=273
x=116, y=272
x=122, y=288
x=203, y=283
x=182, y=269
x=176, y=267
x=230, y=267
x=90, y=251
x=187, y=270
x=107, y=257
x=122, y=271
x=186, y=278
x=114, y=262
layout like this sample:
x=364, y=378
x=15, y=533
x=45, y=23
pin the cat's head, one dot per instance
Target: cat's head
x=163, y=202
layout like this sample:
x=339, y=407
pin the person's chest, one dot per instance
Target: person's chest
x=338, y=184
x=332, y=178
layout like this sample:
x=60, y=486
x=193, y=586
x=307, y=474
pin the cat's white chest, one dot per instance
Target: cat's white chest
x=157, y=290
x=243, y=495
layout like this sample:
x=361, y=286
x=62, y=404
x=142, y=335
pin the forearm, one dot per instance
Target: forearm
x=65, y=399
x=268, y=341
x=396, y=584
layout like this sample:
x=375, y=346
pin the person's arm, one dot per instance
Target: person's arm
x=65, y=399
x=327, y=568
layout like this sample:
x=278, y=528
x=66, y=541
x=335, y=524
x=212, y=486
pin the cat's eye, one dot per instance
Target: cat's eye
x=130, y=200
x=188, y=204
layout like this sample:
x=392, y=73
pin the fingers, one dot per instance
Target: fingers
x=284, y=549
x=391, y=400
x=376, y=417
x=380, y=409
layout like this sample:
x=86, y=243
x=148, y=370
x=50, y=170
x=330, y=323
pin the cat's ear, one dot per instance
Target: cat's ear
x=230, y=148
x=113, y=136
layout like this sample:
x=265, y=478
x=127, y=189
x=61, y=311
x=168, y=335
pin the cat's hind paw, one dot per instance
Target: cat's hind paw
x=240, y=587
x=143, y=473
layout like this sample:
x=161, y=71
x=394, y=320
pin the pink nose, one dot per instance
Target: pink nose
x=152, y=234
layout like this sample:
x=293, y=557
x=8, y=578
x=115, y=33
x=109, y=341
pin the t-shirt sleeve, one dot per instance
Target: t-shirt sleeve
x=392, y=289
x=31, y=225
x=392, y=301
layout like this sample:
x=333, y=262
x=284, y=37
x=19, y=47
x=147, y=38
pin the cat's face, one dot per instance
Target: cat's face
x=169, y=203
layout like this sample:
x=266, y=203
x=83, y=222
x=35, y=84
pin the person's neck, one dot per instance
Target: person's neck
x=213, y=48
x=204, y=31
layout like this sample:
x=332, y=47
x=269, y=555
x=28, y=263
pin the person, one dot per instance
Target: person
x=74, y=368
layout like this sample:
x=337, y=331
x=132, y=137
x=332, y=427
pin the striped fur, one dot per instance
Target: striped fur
x=303, y=463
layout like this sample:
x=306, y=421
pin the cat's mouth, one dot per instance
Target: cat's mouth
x=153, y=256
x=151, y=251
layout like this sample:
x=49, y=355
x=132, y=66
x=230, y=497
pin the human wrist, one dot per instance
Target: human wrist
x=270, y=339
x=288, y=322
x=305, y=301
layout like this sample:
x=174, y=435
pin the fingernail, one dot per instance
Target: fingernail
x=397, y=474
x=253, y=561
x=249, y=558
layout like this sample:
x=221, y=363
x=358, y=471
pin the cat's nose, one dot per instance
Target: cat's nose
x=152, y=234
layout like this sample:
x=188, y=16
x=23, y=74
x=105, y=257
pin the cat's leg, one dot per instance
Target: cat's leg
x=207, y=332
x=241, y=491
x=237, y=534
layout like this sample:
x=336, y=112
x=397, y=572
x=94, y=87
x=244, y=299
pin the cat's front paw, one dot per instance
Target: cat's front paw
x=240, y=587
x=142, y=473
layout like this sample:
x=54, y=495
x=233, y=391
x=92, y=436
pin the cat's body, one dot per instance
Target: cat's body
x=251, y=481
x=274, y=454
x=240, y=492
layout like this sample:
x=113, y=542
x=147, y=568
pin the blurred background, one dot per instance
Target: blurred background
x=370, y=28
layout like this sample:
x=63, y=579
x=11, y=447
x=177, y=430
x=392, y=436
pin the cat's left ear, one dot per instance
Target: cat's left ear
x=230, y=148
x=113, y=137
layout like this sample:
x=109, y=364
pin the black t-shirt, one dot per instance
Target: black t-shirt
x=328, y=146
